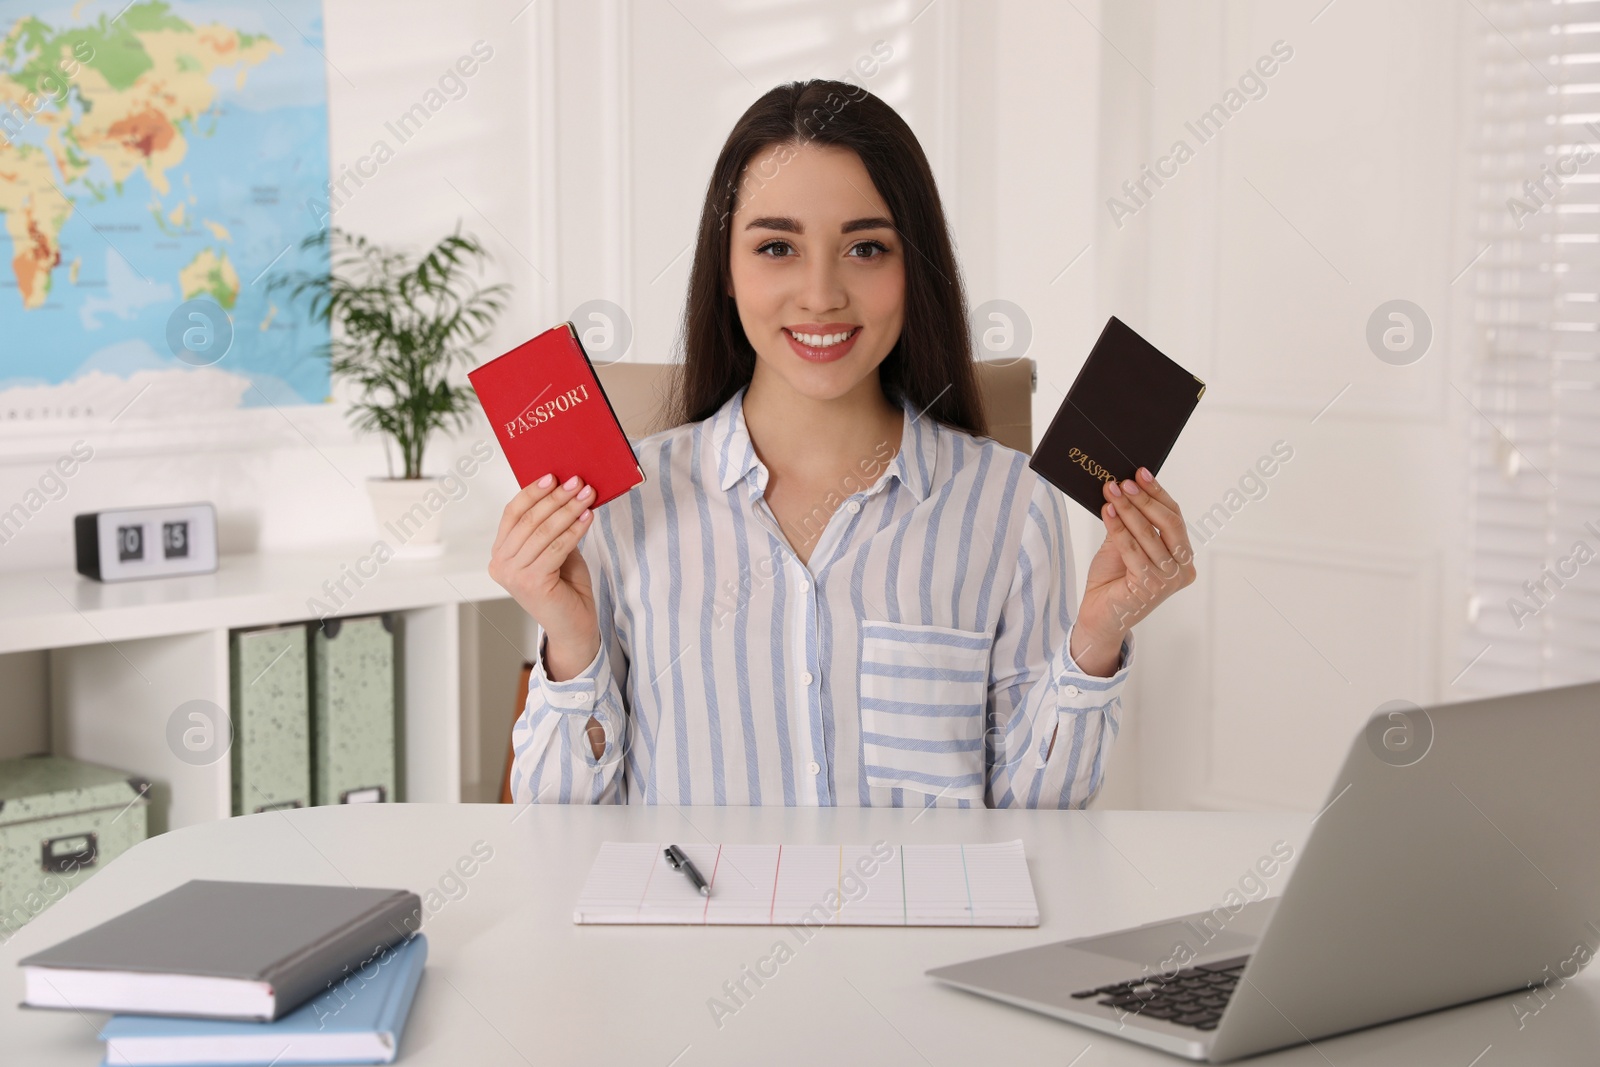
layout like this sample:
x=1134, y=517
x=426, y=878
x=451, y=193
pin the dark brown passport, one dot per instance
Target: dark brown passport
x=1124, y=411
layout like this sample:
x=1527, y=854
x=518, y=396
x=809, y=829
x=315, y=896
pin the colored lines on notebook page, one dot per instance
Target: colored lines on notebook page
x=850, y=885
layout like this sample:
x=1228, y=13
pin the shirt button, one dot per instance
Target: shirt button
x=853, y=507
x=806, y=680
x=814, y=767
x=1072, y=690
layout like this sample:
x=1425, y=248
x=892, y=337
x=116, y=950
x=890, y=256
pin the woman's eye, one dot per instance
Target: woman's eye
x=877, y=247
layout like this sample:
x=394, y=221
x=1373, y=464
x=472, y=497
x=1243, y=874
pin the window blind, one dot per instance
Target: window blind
x=1534, y=441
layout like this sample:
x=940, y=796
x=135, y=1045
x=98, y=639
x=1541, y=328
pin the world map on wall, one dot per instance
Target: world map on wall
x=154, y=154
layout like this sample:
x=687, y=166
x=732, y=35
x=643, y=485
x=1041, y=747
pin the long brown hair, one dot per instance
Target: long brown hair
x=931, y=362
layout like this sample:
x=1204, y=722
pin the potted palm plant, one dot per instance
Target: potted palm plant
x=398, y=325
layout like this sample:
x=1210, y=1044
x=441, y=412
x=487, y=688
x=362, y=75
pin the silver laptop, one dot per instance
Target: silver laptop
x=1453, y=860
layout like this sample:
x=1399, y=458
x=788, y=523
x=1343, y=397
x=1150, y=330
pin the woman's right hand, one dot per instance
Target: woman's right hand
x=535, y=559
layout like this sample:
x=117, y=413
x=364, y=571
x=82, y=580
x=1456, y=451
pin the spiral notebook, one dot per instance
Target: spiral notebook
x=880, y=884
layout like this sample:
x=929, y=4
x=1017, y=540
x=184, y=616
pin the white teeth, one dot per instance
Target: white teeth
x=821, y=340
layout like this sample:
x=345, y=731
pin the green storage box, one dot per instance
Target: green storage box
x=271, y=717
x=353, y=710
x=60, y=821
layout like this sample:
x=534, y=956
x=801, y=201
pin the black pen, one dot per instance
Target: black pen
x=678, y=860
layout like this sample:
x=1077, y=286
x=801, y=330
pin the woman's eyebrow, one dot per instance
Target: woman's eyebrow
x=789, y=225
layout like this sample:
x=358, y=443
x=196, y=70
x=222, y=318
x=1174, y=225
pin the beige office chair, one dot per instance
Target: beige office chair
x=638, y=391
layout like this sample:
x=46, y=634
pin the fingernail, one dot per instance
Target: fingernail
x=584, y=517
x=1115, y=489
x=570, y=483
x=545, y=482
x=1133, y=489
x=1144, y=473
x=1112, y=508
x=586, y=492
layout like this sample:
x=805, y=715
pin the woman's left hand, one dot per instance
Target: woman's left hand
x=1145, y=558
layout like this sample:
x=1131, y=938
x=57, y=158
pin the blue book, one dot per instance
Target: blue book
x=357, y=1019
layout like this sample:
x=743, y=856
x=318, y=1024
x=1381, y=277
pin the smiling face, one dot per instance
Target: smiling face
x=817, y=270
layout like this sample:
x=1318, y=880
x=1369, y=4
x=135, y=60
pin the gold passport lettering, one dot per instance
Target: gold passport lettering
x=1081, y=458
x=533, y=415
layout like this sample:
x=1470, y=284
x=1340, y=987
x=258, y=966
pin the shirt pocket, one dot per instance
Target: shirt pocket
x=924, y=699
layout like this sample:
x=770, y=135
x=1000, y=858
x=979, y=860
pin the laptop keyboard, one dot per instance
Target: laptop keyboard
x=1195, y=996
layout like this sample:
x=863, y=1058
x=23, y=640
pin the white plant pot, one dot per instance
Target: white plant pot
x=408, y=512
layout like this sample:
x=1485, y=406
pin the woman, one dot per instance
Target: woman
x=831, y=587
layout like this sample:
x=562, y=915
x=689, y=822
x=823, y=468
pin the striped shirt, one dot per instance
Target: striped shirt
x=918, y=657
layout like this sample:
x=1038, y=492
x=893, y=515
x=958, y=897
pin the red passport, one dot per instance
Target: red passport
x=551, y=416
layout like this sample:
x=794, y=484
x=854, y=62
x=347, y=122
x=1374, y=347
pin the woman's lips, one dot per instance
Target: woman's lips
x=823, y=355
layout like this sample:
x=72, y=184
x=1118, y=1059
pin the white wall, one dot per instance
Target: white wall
x=1258, y=266
x=580, y=156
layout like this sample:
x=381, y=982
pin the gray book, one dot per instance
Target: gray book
x=222, y=950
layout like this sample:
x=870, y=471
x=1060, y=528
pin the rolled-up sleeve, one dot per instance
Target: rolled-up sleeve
x=1050, y=725
x=554, y=760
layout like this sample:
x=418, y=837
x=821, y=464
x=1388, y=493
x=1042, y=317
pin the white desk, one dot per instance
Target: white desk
x=511, y=980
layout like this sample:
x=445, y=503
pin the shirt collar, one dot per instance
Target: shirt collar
x=736, y=455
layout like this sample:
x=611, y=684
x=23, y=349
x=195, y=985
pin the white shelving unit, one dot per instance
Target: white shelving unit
x=95, y=671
